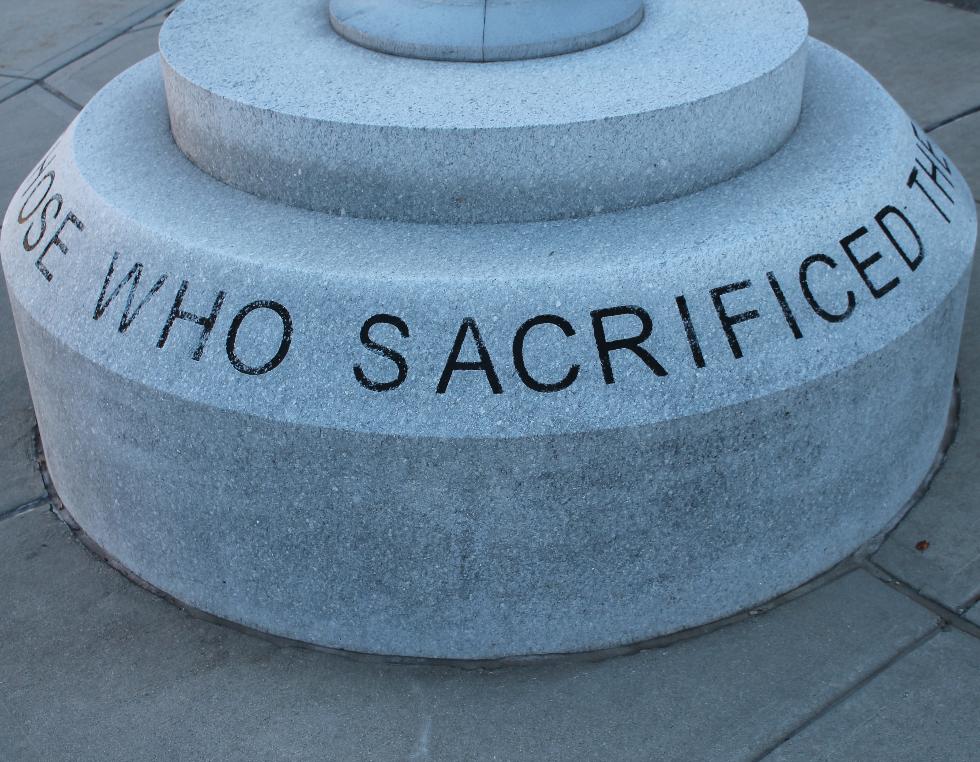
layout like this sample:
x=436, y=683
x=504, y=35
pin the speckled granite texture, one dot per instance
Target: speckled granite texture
x=325, y=124
x=480, y=440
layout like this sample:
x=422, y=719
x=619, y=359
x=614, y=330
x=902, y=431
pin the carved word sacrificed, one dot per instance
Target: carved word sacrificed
x=890, y=234
x=890, y=231
x=860, y=249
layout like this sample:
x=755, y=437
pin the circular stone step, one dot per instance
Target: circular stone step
x=272, y=101
x=485, y=440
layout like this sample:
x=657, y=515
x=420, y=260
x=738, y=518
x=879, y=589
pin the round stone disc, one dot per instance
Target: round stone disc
x=491, y=440
x=694, y=95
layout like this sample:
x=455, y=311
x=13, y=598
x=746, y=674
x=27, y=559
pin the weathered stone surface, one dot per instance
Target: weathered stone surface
x=319, y=490
x=332, y=126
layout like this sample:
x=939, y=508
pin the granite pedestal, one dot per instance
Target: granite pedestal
x=480, y=360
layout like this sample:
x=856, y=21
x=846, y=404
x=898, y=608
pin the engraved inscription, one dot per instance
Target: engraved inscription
x=877, y=257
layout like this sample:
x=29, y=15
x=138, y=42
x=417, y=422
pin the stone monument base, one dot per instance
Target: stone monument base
x=505, y=371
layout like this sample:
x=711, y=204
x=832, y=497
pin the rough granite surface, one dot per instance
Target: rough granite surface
x=328, y=125
x=536, y=447
x=92, y=668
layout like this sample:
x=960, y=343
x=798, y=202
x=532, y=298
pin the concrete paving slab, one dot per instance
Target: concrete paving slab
x=10, y=86
x=95, y=668
x=30, y=122
x=86, y=76
x=156, y=20
x=41, y=36
x=925, y=54
x=948, y=516
x=969, y=5
x=973, y=614
x=961, y=141
x=922, y=707
x=20, y=480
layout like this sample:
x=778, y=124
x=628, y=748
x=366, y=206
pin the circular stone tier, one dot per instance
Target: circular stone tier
x=483, y=30
x=271, y=100
x=475, y=441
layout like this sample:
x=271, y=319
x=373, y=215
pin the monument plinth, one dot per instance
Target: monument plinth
x=466, y=359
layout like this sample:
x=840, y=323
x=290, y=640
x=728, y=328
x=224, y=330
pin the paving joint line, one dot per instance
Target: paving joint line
x=49, y=88
x=848, y=692
x=30, y=505
x=86, y=51
x=953, y=118
x=41, y=464
x=949, y=617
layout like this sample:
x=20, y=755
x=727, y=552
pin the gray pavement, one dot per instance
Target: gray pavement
x=961, y=140
x=31, y=121
x=91, y=662
x=923, y=707
x=879, y=660
x=21, y=480
x=83, y=78
x=42, y=36
x=925, y=54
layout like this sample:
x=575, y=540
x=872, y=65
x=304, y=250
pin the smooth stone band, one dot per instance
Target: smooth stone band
x=475, y=441
x=483, y=30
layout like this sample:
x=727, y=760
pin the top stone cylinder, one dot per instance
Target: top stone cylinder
x=483, y=30
x=267, y=97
